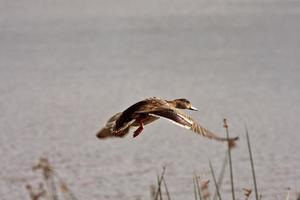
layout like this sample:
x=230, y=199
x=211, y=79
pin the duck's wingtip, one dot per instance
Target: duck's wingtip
x=232, y=142
x=236, y=138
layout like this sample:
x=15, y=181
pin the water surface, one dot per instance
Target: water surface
x=66, y=66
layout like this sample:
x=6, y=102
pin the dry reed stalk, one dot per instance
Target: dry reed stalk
x=198, y=186
x=47, y=171
x=288, y=194
x=48, y=175
x=152, y=191
x=159, y=189
x=67, y=194
x=251, y=162
x=298, y=196
x=230, y=161
x=37, y=193
x=214, y=178
x=159, y=180
x=221, y=175
x=195, y=189
x=66, y=191
x=166, y=188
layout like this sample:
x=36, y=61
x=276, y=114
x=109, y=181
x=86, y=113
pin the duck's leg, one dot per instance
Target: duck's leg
x=140, y=128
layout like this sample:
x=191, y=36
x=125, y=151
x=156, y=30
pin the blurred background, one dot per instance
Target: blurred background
x=67, y=66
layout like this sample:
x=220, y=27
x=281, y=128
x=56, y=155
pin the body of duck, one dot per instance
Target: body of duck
x=149, y=110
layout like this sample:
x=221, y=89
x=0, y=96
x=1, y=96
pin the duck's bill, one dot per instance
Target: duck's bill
x=193, y=108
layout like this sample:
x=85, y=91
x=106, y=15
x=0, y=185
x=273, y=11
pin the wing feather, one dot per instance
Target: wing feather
x=185, y=121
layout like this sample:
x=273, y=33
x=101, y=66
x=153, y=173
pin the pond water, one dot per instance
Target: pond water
x=67, y=66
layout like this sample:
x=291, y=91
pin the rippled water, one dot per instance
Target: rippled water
x=65, y=67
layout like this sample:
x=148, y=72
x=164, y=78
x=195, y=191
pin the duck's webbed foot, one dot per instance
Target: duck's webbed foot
x=139, y=130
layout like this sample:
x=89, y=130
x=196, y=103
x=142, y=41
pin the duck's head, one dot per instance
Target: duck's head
x=182, y=104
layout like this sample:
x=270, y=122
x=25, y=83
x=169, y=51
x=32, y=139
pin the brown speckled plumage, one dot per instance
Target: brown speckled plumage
x=149, y=110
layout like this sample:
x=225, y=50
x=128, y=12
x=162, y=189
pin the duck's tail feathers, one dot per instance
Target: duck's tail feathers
x=108, y=130
x=104, y=133
x=107, y=133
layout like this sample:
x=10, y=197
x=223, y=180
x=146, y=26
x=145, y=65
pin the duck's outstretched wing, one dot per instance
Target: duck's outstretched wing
x=108, y=129
x=183, y=120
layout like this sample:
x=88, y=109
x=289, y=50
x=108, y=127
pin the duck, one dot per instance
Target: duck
x=151, y=109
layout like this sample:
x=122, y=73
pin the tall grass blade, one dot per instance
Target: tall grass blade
x=252, y=165
x=66, y=191
x=159, y=180
x=47, y=171
x=230, y=161
x=222, y=173
x=195, y=188
x=52, y=188
x=159, y=197
x=215, y=181
x=36, y=193
x=166, y=188
x=152, y=191
x=298, y=196
x=198, y=187
x=288, y=196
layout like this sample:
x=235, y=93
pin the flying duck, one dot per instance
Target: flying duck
x=147, y=111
